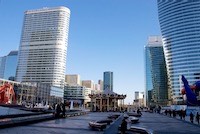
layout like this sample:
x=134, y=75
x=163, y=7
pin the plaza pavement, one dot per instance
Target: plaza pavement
x=161, y=124
x=70, y=125
x=157, y=123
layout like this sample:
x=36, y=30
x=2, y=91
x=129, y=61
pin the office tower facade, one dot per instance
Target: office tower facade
x=88, y=84
x=108, y=80
x=139, y=99
x=8, y=66
x=179, y=22
x=97, y=87
x=11, y=65
x=76, y=93
x=136, y=95
x=73, y=79
x=100, y=82
x=2, y=66
x=43, y=46
x=155, y=73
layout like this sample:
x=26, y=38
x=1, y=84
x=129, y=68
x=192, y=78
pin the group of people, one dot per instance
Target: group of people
x=181, y=113
x=196, y=117
x=60, y=108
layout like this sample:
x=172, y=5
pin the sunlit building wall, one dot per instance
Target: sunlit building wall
x=77, y=93
x=180, y=27
x=73, y=79
x=97, y=87
x=43, y=46
x=100, y=82
x=88, y=84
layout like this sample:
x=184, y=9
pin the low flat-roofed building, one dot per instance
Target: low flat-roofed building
x=27, y=93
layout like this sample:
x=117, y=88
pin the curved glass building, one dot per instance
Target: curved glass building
x=180, y=27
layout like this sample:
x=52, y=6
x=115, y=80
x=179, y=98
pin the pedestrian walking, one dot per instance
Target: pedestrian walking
x=58, y=110
x=170, y=113
x=174, y=113
x=63, y=109
x=166, y=112
x=197, y=117
x=123, y=126
x=191, y=117
x=184, y=114
x=181, y=114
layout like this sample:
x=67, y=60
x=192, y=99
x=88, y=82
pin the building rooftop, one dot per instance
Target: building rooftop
x=13, y=53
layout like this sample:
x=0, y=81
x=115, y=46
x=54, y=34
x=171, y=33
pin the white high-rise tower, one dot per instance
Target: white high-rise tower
x=43, y=46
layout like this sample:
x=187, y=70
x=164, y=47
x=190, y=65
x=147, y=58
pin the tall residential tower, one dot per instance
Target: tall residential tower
x=180, y=27
x=43, y=46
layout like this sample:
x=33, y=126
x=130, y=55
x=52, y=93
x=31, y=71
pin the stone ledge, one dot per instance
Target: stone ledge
x=19, y=121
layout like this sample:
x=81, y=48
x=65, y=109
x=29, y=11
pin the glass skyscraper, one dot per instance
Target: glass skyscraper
x=11, y=65
x=2, y=66
x=8, y=66
x=108, y=80
x=43, y=46
x=180, y=27
x=155, y=71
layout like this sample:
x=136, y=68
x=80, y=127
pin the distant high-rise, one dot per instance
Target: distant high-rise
x=8, y=66
x=139, y=99
x=136, y=95
x=2, y=66
x=97, y=87
x=88, y=84
x=73, y=79
x=155, y=72
x=108, y=80
x=100, y=82
x=180, y=28
x=43, y=46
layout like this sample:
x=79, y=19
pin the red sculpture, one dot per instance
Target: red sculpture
x=193, y=88
x=7, y=94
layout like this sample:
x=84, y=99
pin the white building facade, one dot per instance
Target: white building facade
x=179, y=23
x=43, y=46
x=78, y=94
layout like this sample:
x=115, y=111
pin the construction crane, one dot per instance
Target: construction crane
x=7, y=94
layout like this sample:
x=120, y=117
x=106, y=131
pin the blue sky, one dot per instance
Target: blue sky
x=104, y=35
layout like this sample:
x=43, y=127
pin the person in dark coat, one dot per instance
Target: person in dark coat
x=197, y=117
x=166, y=112
x=58, y=110
x=191, y=117
x=123, y=126
x=181, y=114
x=174, y=113
x=184, y=114
x=63, y=110
x=170, y=112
